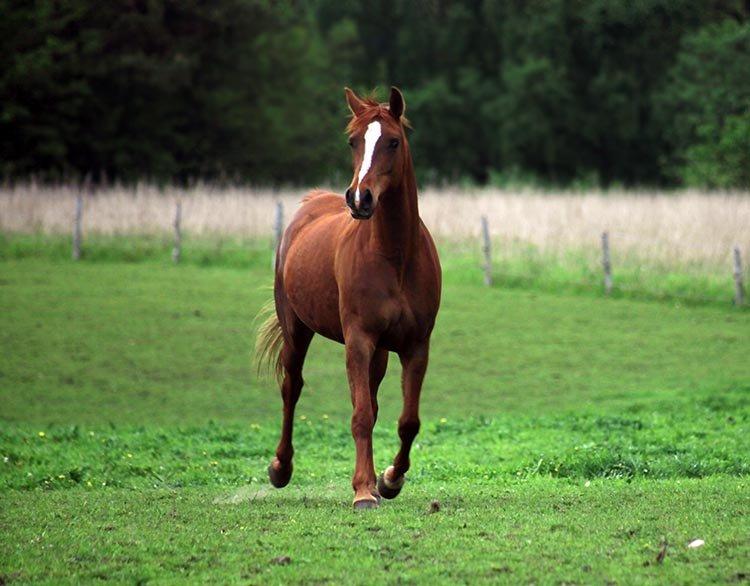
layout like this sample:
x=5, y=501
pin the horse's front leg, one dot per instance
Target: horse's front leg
x=414, y=363
x=360, y=349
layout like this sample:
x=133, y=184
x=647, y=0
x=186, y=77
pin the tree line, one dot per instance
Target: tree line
x=557, y=92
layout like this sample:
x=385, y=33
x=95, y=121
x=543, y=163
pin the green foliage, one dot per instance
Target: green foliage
x=166, y=90
x=707, y=101
x=531, y=111
x=646, y=92
x=720, y=161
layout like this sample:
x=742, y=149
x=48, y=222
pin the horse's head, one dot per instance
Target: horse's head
x=379, y=150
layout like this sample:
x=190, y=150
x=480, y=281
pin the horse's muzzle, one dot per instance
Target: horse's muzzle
x=363, y=209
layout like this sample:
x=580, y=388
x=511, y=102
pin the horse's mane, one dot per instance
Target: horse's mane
x=373, y=110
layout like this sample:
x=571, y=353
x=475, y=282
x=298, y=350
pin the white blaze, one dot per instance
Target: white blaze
x=371, y=138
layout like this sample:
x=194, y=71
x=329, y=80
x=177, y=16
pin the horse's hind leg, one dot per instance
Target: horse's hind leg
x=414, y=364
x=297, y=337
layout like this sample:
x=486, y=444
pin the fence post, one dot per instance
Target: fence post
x=77, y=228
x=177, y=250
x=487, y=252
x=278, y=230
x=739, y=288
x=606, y=264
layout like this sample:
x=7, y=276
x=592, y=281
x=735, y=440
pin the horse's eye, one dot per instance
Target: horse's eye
x=351, y=142
x=393, y=144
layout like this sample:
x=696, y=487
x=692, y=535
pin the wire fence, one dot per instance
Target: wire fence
x=673, y=231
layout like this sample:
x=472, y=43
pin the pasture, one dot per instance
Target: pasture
x=584, y=173
x=567, y=438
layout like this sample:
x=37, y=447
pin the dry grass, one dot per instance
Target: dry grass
x=674, y=229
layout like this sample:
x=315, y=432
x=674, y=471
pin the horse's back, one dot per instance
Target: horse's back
x=317, y=205
x=322, y=201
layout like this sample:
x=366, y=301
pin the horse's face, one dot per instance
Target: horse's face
x=378, y=144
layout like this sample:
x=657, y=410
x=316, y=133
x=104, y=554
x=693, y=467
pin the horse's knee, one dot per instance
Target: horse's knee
x=408, y=428
x=363, y=420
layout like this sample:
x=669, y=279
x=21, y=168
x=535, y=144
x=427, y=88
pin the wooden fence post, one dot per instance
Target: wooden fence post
x=606, y=264
x=278, y=230
x=177, y=250
x=487, y=252
x=739, y=288
x=77, y=228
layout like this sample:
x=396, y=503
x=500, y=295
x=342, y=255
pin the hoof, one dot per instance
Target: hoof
x=279, y=478
x=388, y=489
x=364, y=504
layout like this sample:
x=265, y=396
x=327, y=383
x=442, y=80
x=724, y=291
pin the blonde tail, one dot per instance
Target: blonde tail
x=268, y=342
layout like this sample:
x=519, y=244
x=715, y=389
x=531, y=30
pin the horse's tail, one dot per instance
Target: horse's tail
x=268, y=342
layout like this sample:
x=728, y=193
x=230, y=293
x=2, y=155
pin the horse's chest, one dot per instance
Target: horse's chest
x=406, y=323
x=400, y=318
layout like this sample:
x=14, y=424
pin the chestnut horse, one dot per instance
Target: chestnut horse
x=361, y=270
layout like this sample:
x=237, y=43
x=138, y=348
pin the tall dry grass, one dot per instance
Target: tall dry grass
x=674, y=229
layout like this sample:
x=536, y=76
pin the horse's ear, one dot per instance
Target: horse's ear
x=356, y=105
x=396, y=103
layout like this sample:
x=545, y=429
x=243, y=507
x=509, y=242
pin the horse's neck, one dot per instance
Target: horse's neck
x=396, y=225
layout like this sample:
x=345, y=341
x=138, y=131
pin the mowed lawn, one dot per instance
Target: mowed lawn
x=566, y=438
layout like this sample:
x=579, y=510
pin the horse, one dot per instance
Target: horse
x=361, y=270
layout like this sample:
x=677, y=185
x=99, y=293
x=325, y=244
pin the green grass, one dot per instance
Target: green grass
x=207, y=251
x=566, y=437
x=515, y=265
x=539, y=531
x=694, y=442
x=130, y=343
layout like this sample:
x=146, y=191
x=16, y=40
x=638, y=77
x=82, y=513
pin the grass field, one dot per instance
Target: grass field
x=567, y=438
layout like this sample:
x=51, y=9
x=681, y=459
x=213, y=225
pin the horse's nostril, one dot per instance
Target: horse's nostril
x=367, y=198
x=349, y=196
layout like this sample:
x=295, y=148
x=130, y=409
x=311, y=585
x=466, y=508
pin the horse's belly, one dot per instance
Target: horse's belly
x=310, y=287
x=320, y=320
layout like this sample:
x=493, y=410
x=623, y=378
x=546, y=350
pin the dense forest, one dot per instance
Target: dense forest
x=557, y=92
